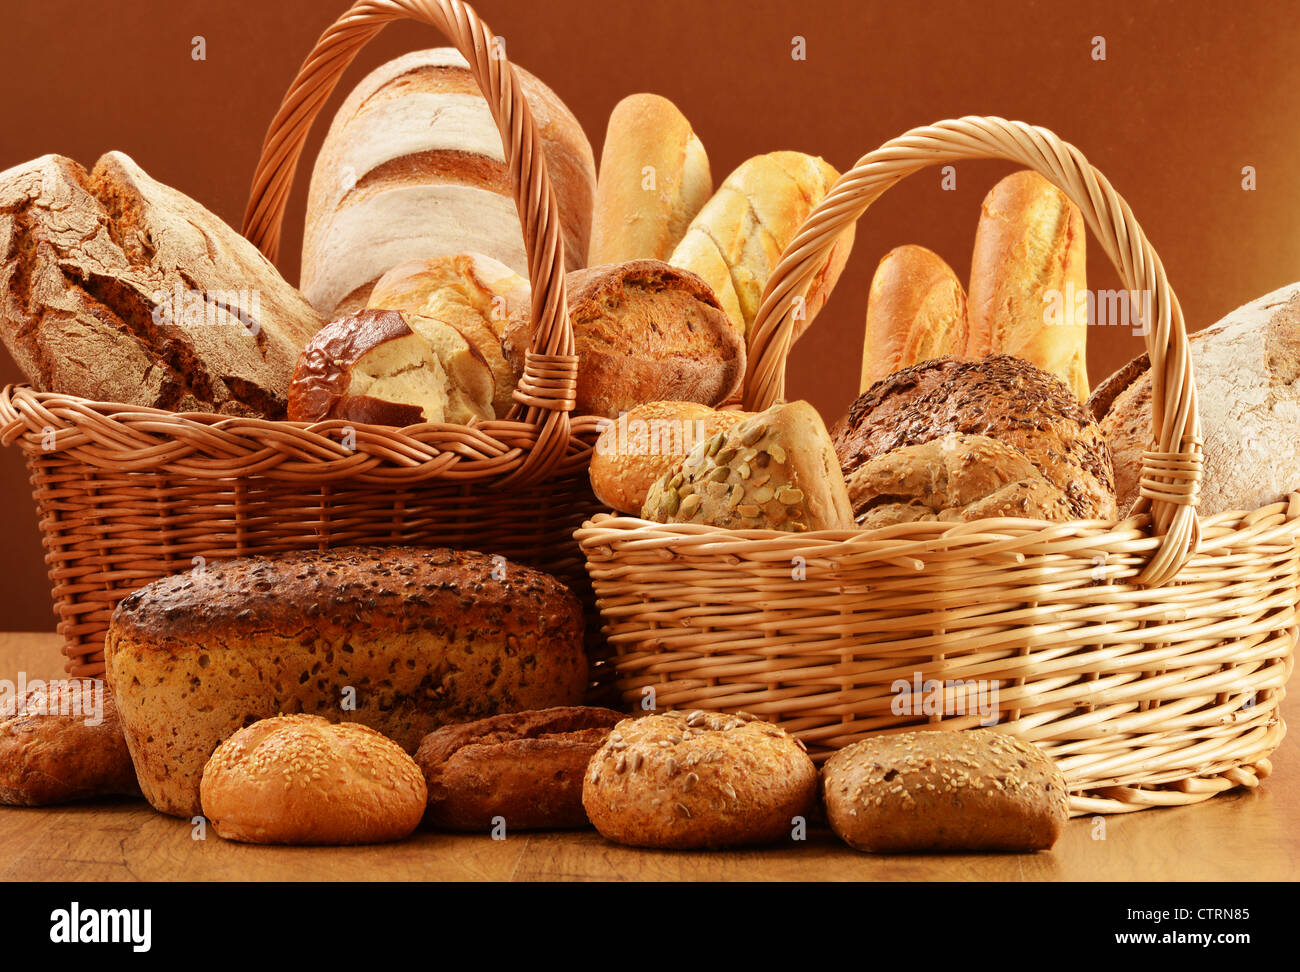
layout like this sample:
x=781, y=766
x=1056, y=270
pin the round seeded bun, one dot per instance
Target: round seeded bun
x=998, y=396
x=300, y=779
x=696, y=780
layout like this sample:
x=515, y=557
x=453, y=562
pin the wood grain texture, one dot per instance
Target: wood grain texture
x=1240, y=836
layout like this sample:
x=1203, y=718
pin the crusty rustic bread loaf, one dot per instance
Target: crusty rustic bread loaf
x=775, y=470
x=999, y=396
x=400, y=639
x=117, y=288
x=1247, y=369
x=698, y=779
x=645, y=443
x=474, y=294
x=1028, y=272
x=391, y=368
x=916, y=311
x=300, y=779
x=413, y=167
x=972, y=790
x=737, y=239
x=654, y=177
x=956, y=477
x=644, y=332
x=523, y=768
x=63, y=741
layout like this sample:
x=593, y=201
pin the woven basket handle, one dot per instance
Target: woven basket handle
x=549, y=382
x=1171, y=473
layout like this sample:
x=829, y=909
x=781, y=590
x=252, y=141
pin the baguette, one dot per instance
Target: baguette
x=654, y=177
x=916, y=311
x=1029, y=266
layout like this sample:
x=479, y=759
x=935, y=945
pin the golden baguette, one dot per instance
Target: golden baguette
x=916, y=311
x=654, y=177
x=1030, y=258
x=737, y=239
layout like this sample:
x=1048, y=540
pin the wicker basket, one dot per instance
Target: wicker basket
x=1148, y=657
x=128, y=494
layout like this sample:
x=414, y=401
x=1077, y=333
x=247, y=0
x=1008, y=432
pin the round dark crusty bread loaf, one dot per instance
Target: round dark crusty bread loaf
x=999, y=396
x=401, y=639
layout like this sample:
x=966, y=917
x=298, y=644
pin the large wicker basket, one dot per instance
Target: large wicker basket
x=1148, y=657
x=127, y=494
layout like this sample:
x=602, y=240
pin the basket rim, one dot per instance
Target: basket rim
x=902, y=539
x=205, y=445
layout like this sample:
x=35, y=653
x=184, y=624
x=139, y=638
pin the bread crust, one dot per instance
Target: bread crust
x=300, y=779
x=698, y=780
x=644, y=331
x=916, y=311
x=525, y=768
x=956, y=477
x=629, y=221
x=971, y=790
x=999, y=396
x=50, y=758
x=1031, y=241
x=412, y=638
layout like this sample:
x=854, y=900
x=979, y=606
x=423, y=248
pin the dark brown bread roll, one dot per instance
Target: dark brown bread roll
x=524, y=767
x=698, y=779
x=403, y=640
x=49, y=754
x=999, y=396
x=299, y=779
x=645, y=332
x=971, y=790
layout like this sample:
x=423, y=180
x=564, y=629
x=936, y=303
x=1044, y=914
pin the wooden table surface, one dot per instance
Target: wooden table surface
x=1239, y=836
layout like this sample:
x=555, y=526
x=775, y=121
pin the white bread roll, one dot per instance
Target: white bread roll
x=474, y=294
x=654, y=178
x=737, y=239
x=413, y=166
x=1031, y=244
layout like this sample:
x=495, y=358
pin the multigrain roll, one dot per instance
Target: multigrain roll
x=647, y=442
x=644, y=332
x=401, y=639
x=998, y=396
x=524, y=768
x=61, y=742
x=698, y=779
x=654, y=178
x=300, y=779
x=973, y=790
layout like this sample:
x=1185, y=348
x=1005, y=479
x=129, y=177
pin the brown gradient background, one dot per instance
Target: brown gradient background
x=1189, y=94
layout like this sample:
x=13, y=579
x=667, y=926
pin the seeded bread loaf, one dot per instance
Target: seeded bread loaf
x=972, y=790
x=999, y=396
x=117, y=288
x=957, y=477
x=49, y=753
x=644, y=332
x=523, y=768
x=698, y=779
x=300, y=779
x=775, y=470
x=645, y=443
x=403, y=640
